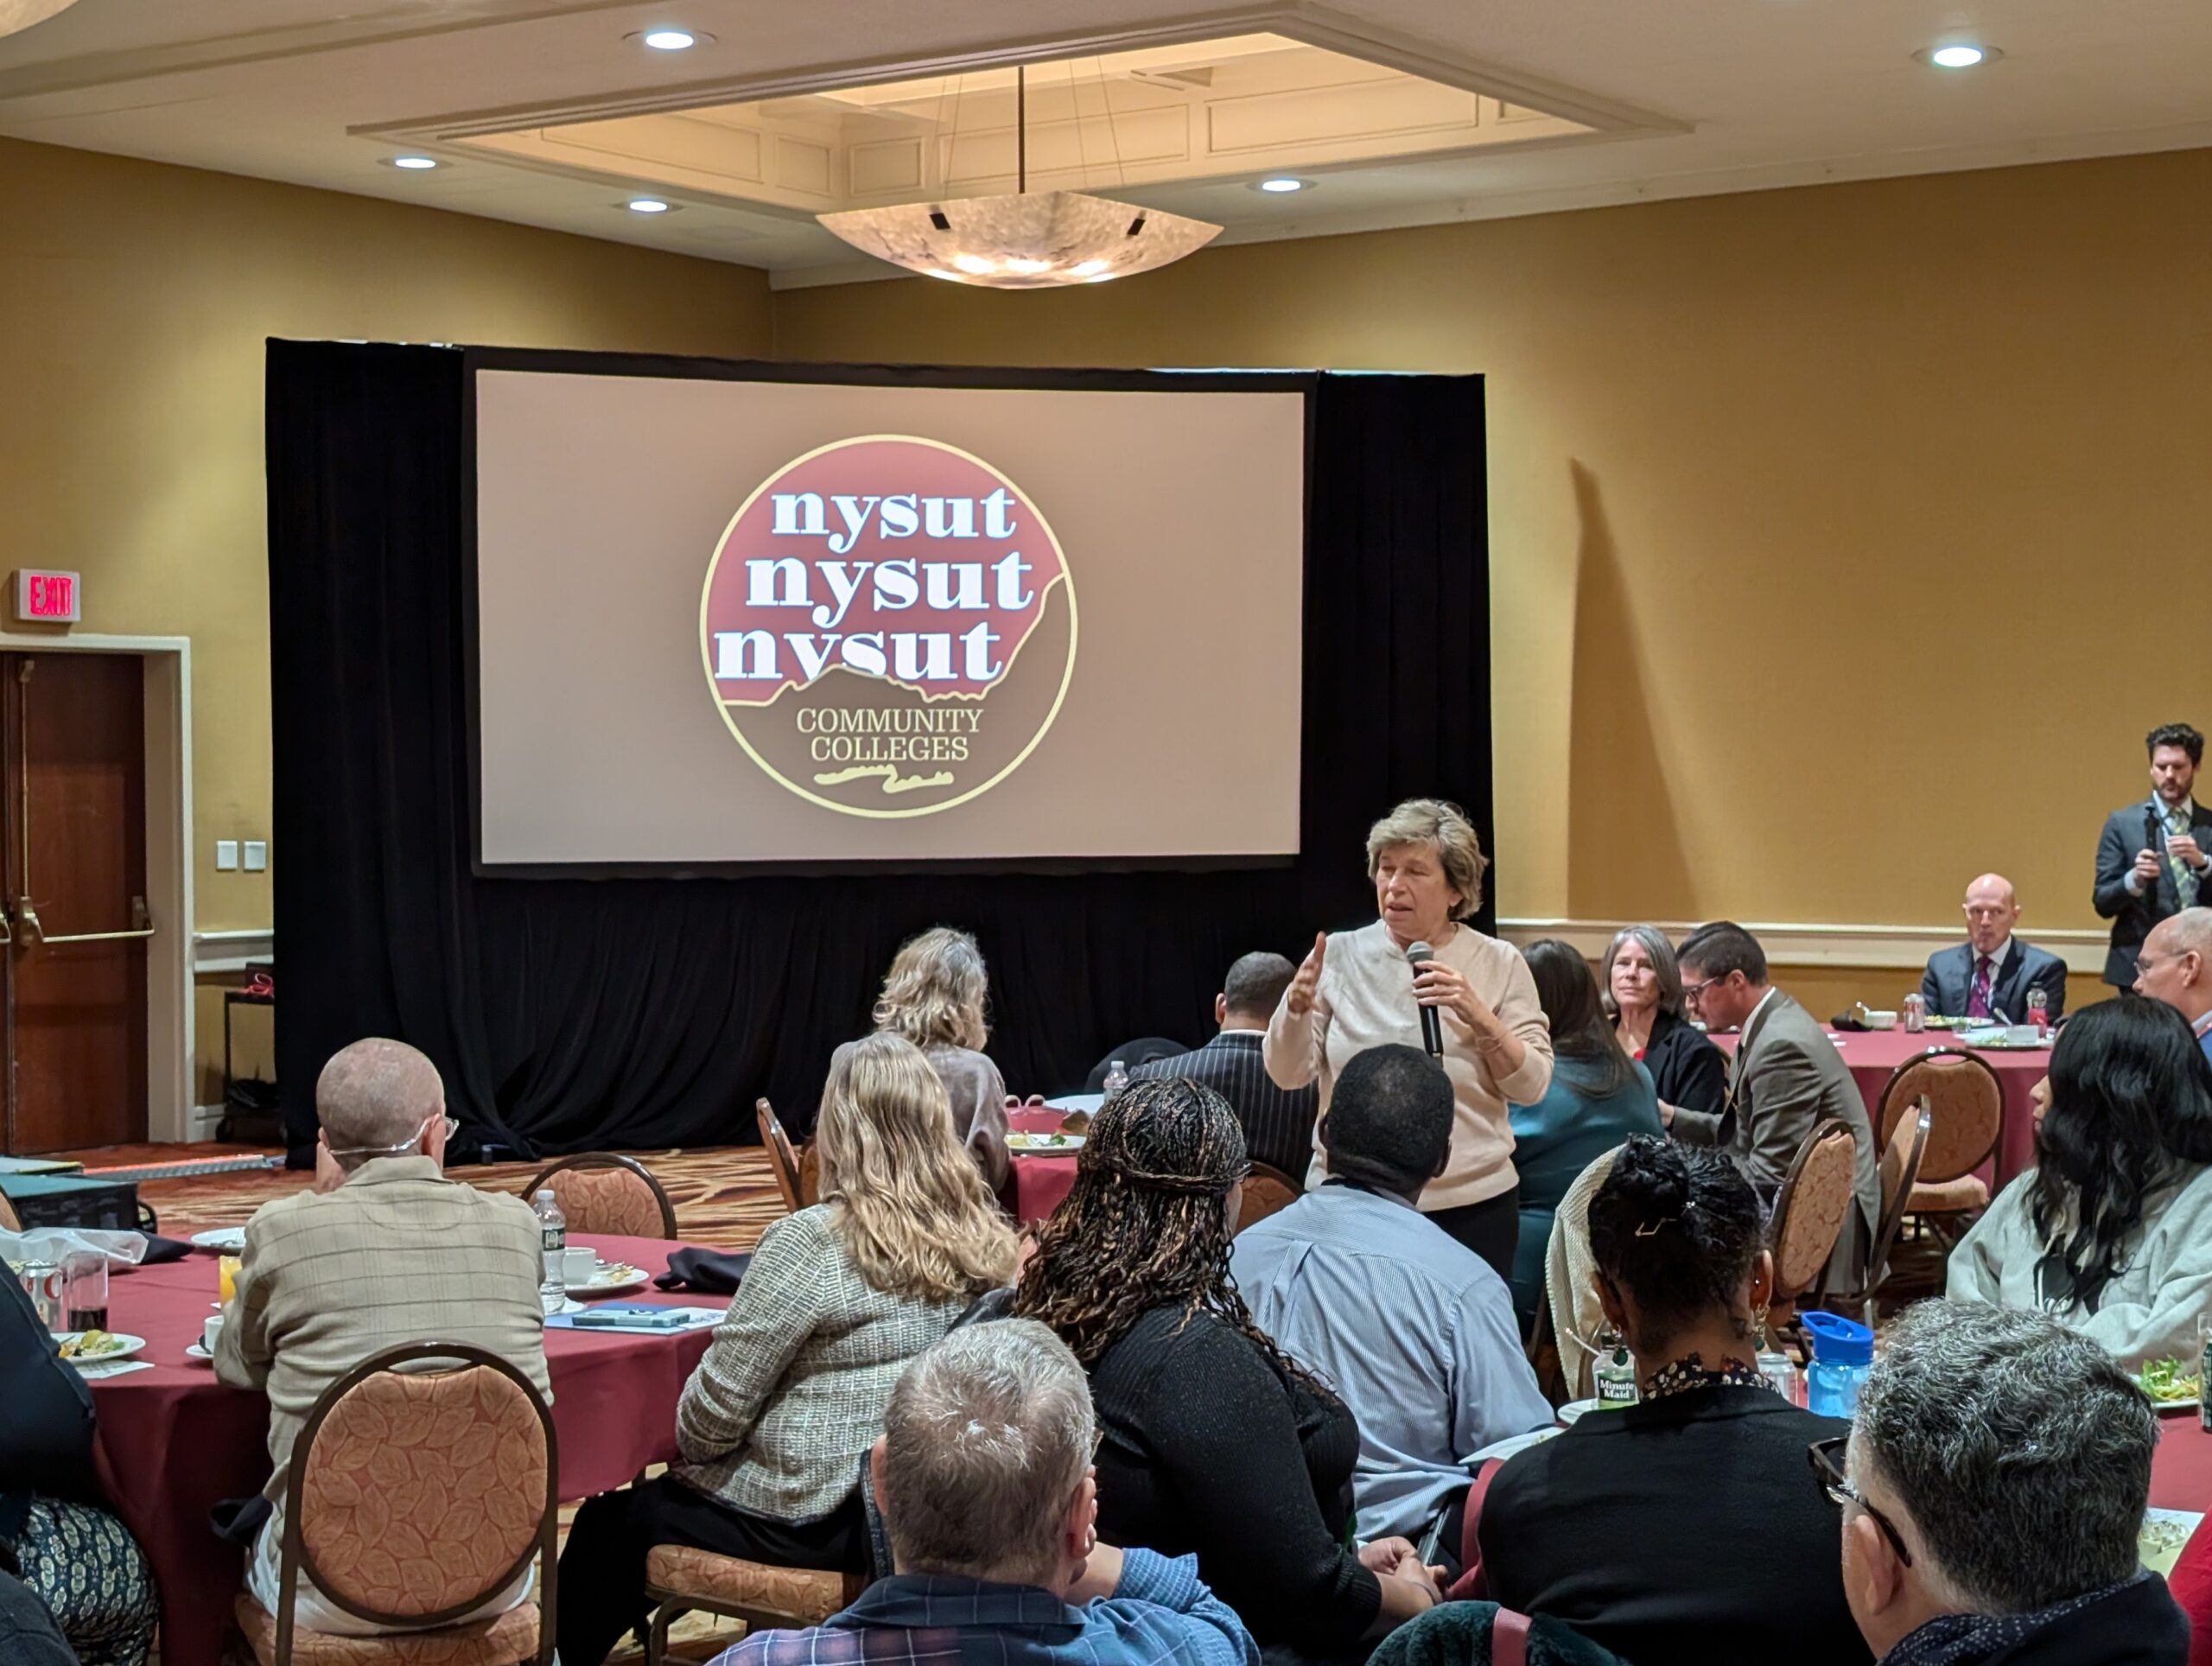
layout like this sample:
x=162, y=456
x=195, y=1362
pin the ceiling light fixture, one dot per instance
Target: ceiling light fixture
x=1958, y=54
x=1282, y=186
x=1023, y=242
x=669, y=40
x=415, y=164
x=649, y=205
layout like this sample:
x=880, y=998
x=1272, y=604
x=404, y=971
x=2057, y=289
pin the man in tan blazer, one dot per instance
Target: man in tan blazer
x=1788, y=1078
x=384, y=1251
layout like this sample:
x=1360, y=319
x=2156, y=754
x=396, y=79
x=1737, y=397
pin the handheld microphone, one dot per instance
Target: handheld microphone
x=1432, y=1027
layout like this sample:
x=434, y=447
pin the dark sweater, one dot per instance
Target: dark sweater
x=46, y=1433
x=1686, y=1069
x=2137, y=1625
x=1209, y=1449
x=1681, y=1531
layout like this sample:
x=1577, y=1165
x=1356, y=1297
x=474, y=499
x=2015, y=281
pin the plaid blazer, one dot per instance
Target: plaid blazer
x=398, y=1254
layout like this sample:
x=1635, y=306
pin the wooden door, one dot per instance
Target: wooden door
x=75, y=869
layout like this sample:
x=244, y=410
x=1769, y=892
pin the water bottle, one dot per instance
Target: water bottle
x=2039, y=1011
x=2204, y=1372
x=553, y=1282
x=1117, y=1077
x=1916, y=1013
x=1614, y=1372
x=1843, y=1352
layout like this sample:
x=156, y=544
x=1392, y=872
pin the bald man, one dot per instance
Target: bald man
x=1990, y=974
x=384, y=1251
x=2175, y=966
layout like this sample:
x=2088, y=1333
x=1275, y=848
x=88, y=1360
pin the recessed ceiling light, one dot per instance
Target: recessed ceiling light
x=649, y=205
x=1958, y=54
x=669, y=38
x=415, y=164
x=1282, y=185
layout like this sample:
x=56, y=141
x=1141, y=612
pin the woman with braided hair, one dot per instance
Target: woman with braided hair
x=1212, y=1442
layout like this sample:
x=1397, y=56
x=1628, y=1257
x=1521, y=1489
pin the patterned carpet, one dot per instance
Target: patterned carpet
x=724, y=1197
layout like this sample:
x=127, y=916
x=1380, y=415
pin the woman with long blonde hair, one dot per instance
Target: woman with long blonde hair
x=775, y=1423
x=933, y=995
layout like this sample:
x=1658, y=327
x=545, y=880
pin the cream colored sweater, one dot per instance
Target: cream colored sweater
x=1366, y=999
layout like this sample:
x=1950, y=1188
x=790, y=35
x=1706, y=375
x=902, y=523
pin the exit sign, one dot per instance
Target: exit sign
x=49, y=598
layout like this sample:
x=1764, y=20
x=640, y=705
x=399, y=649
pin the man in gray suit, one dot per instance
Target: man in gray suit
x=2154, y=857
x=1788, y=1078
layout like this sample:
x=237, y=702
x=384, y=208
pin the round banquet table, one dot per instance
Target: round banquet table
x=1872, y=1055
x=173, y=1441
x=1039, y=1181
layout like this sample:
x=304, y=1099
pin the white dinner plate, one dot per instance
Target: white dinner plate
x=1043, y=1145
x=612, y=1279
x=224, y=1240
x=130, y=1345
x=1571, y=1412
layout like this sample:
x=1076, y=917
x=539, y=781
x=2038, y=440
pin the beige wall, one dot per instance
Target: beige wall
x=134, y=300
x=1845, y=542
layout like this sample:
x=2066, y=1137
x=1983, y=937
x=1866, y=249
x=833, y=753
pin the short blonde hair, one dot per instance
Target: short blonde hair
x=905, y=1198
x=933, y=994
x=1445, y=829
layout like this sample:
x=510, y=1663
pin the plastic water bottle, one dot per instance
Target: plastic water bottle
x=1843, y=1352
x=2039, y=1011
x=1614, y=1372
x=553, y=1282
x=1916, y=1013
x=1117, y=1077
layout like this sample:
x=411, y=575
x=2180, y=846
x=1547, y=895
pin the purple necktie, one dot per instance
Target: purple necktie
x=1978, y=997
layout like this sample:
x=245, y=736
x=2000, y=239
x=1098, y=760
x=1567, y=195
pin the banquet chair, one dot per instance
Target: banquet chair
x=415, y=1497
x=681, y=1579
x=782, y=1158
x=1966, y=1106
x=606, y=1191
x=1901, y=1158
x=1810, y=1210
x=1266, y=1189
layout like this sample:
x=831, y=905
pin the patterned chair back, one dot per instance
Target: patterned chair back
x=1966, y=1107
x=605, y=1192
x=782, y=1158
x=1266, y=1189
x=1900, y=1170
x=416, y=1497
x=1814, y=1201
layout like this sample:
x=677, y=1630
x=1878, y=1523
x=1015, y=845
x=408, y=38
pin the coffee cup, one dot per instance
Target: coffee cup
x=577, y=1265
x=210, y=1328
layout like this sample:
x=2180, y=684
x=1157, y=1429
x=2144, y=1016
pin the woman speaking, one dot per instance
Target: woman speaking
x=1358, y=989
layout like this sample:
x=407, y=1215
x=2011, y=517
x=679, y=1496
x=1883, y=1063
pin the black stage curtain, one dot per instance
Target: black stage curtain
x=573, y=1013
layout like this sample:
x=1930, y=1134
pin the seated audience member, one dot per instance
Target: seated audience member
x=1789, y=1078
x=772, y=1424
x=385, y=1250
x=1598, y=1097
x=1214, y=1443
x=1997, y=1473
x=1680, y=1529
x=1278, y=1122
x=1408, y=1324
x=1643, y=987
x=1991, y=973
x=2111, y=1232
x=933, y=995
x=71, y=1554
x=2175, y=966
x=982, y=1474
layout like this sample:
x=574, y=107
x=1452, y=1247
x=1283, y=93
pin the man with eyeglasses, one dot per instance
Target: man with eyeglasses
x=1787, y=1080
x=384, y=1251
x=1993, y=1491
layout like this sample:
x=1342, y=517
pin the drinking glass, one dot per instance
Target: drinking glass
x=84, y=1290
x=226, y=1274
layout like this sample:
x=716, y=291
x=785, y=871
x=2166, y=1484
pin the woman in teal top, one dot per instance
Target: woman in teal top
x=1598, y=1098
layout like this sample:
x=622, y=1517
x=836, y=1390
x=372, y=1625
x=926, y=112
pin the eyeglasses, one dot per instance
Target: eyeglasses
x=1827, y=1470
x=450, y=1126
x=1694, y=992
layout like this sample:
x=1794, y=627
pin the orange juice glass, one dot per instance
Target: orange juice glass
x=227, y=1272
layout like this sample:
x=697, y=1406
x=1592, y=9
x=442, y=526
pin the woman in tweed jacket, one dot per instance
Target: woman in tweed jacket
x=774, y=1422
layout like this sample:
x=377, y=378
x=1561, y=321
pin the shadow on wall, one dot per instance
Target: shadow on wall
x=1624, y=847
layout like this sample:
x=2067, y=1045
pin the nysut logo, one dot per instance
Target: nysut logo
x=888, y=627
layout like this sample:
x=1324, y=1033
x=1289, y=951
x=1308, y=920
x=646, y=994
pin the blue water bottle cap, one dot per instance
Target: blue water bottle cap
x=1837, y=1340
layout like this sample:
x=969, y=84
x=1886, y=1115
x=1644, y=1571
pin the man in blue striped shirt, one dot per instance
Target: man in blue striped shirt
x=983, y=1477
x=1278, y=1123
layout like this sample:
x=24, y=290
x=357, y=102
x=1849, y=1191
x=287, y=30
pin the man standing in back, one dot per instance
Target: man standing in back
x=1278, y=1122
x=1991, y=973
x=2175, y=966
x=1788, y=1078
x=2152, y=856
x=1413, y=1329
x=384, y=1251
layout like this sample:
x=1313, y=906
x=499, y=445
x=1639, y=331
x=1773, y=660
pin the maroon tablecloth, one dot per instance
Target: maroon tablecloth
x=173, y=1441
x=1872, y=1055
x=1039, y=1182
